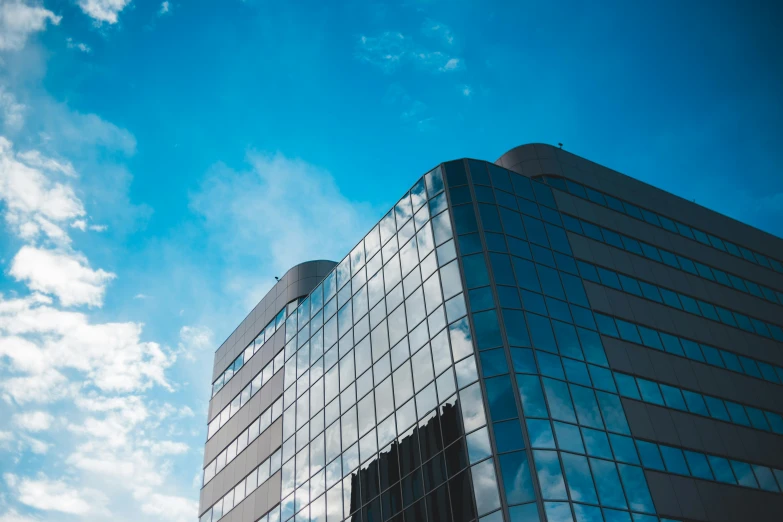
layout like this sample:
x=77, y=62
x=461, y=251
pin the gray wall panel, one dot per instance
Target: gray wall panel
x=258, y=451
x=613, y=258
x=693, y=375
x=632, y=308
x=677, y=428
x=525, y=159
x=257, y=404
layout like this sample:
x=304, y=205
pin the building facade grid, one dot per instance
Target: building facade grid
x=459, y=364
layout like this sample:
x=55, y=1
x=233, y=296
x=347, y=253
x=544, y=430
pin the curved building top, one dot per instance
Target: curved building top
x=297, y=282
x=538, y=159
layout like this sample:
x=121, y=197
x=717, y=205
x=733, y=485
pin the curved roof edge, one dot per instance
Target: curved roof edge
x=307, y=263
x=297, y=281
x=528, y=151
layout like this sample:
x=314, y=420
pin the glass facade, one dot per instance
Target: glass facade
x=452, y=368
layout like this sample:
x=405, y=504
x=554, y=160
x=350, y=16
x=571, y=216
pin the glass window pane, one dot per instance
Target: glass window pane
x=517, y=481
x=651, y=457
x=540, y=433
x=607, y=482
x=559, y=400
x=639, y=498
x=508, y=436
x=550, y=477
x=674, y=460
x=580, y=481
x=485, y=487
x=500, y=398
x=744, y=474
x=596, y=443
x=569, y=437
x=533, y=404
x=472, y=408
x=479, y=446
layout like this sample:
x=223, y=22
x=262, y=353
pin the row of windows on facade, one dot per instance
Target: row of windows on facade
x=566, y=340
x=549, y=234
x=738, y=320
x=252, y=348
x=524, y=203
x=493, y=331
x=670, y=456
x=401, y=416
x=535, y=278
x=672, y=299
x=412, y=314
x=247, y=393
x=660, y=221
x=754, y=417
x=322, y=337
x=435, y=509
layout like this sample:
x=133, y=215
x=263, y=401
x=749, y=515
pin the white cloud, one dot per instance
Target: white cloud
x=67, y=276
x=56, y=495
x=452, y=64
x=37, y=205
x=6, y=438
x=466, y=91
x=18, y=20
x=438, y=30
x=33, y=420
x=83, y=47
x=168, y=447
x=14, y=516
x=36, y=446
x=103, y=10
x=386, y=50
x=195, y=339
x=45, y=387
x=80, y=224
x=171, y=508
x=389, y=50
x=304, y=215
x=41, y=342
x=33, y=158
x=115, y=457
x=165, y=7
x=12, y=111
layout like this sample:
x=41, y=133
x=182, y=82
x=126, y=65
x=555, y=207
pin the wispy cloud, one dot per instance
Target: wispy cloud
x=56, y=495
x=413, y=112
x=165, y=7
x=18, y=20
x=390, y=50
x=33, y=420
x=438, y=30
x=83, y=47
x=66, y=361
x=103, y=10
x=11, y=111
x=302, y=199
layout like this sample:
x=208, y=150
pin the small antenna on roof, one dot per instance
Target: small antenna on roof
x=561, y=145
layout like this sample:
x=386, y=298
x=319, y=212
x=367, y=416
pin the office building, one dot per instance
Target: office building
x=535, y=339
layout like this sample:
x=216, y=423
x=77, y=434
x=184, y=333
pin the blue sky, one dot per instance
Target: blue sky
x=161, y=162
